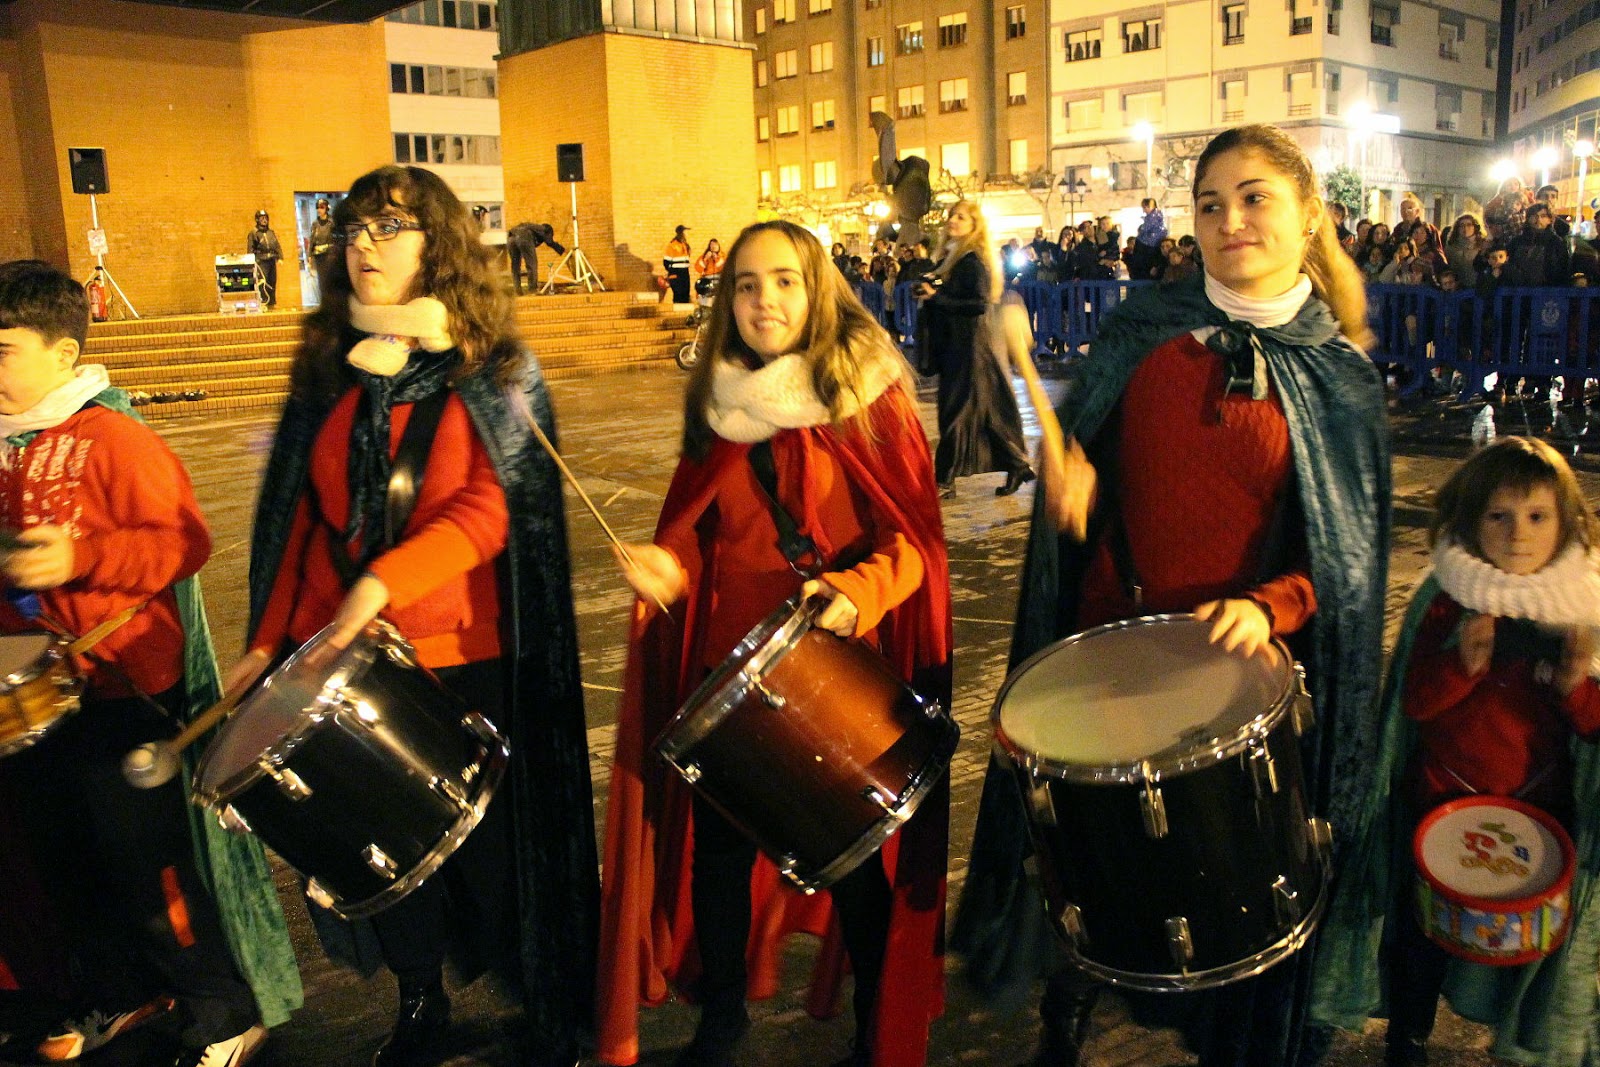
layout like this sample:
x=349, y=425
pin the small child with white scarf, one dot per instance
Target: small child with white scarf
x=1500, y=673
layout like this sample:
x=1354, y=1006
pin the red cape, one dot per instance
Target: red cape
x=647, y=930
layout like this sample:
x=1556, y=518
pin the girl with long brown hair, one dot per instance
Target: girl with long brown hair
x=797, y=370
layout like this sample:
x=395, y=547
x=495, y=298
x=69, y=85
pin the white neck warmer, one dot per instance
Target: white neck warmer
x=1564, y=592
x=59, y=404
x=393, y=329
x=753, y=405
x=1261, y=311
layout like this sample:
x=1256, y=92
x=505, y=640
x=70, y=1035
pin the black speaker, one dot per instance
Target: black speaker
x=88, y=166
x=569, y=162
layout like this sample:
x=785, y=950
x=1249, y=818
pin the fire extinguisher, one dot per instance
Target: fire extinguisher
x=99, y=300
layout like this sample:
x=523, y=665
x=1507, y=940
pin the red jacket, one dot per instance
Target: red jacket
x=136, y=529
x=443, y=593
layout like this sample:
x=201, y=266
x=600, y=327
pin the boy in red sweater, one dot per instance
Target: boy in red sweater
x=101, y=518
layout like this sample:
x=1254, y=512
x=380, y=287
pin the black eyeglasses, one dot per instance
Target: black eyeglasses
x=385, y=229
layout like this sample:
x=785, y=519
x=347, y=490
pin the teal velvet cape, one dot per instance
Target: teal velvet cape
x=233, y=866
x=1333, y=401
x=1542, y=1013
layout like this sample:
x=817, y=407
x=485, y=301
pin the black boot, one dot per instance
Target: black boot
x=718, y=1036
x=1066, y=1010
x=1015, y=480
x=1405, y=1050
x=424, y=1017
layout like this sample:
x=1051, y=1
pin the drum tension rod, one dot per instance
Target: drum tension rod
x=1151, y=804
x=1179, y=943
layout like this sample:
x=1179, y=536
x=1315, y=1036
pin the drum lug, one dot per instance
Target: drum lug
x=1179, y=943
x=448, y=791
x=1152, y=806
x=1285, y=902
x=1263, y=768
x=932, y=709
x=289, y=783
x=1072, y=926
x=380, y=862
x=773, y=700
x=1321, y=837
x=1044, y=803
x=229, y=819
x=1303, y=710
x=690, y=772
x=318, y=895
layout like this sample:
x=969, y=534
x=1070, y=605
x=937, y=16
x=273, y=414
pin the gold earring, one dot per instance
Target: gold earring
x=1311, y=232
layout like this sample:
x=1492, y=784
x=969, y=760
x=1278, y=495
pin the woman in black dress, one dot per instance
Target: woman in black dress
x=980, y=428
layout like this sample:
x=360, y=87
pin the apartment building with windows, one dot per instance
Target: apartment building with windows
x=1554, y=90
x=1401, y=91
x=964, y=81
x=444, y=107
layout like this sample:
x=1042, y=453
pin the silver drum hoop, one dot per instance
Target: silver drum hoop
x=1201, y=755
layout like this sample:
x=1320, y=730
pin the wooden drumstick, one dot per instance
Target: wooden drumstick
x=154, y=763
x=520, y=402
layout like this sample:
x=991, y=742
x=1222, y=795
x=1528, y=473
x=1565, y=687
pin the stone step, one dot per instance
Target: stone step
x=140, y=376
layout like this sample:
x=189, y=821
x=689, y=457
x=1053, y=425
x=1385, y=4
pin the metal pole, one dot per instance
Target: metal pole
x=1583, y=174
x=1149, y=159
x=574, y=187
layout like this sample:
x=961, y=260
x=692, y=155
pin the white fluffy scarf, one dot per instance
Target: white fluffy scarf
x=89, y=380
x=753, y=405
x=1564, y=592
x=393, y=328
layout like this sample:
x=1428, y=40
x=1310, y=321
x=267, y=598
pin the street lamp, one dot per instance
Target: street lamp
x=1543, y=160
x=1145, y=132
x=1072, y=196
x=1581, y=151
x=1502, y=170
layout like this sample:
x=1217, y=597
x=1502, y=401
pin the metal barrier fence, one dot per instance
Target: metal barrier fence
x=1513, y=332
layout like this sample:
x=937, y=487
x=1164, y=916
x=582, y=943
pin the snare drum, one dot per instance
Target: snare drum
x=810, y=745
x=1167, y=802
x=356, y=767
x=1494, y=877
x=39, y=687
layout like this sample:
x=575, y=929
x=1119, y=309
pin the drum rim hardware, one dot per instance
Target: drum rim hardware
x=1069, y=925
x=1147, y=768
x=69, y=685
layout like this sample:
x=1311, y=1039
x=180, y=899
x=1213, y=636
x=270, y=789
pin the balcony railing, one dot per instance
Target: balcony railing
x=1383, y=35
x=1299, y=26
x=1236, y=115
x=1448, y=124
x=1448, y=50
x=1299, y=110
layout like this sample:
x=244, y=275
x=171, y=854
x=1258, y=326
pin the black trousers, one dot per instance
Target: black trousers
x=118, y=864
x=517, y=256
x=468, y=907
x=723, y=859
x=269, y=281
x=678, y=282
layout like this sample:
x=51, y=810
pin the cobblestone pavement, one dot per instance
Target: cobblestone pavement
x=619, y=434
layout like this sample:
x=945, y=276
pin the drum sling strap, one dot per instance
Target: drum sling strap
x=795, y=546
x=405, y=483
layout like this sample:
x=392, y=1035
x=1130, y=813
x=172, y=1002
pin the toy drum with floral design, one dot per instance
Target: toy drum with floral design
x=1494, y=880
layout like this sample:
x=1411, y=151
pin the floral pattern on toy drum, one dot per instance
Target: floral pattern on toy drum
x=1494, y=875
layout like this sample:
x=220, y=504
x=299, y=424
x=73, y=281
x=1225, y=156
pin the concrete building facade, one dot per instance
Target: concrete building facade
x=964, y=81
x=1555, y=95
x=1399, y=90
x=204, y=117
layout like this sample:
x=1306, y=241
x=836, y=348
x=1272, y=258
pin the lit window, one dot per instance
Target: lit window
x=954, y=158
x=952, y=29
x=821, y=57
x=908, y=38
x=824, y=175
x=908, y=102
x=1083, y=44
x=952, y=95
x=789, y=178
x=822, y=114
x=786, y=64
x=1017, y=88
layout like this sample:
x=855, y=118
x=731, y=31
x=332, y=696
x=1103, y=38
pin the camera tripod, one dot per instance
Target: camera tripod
x=573, y=268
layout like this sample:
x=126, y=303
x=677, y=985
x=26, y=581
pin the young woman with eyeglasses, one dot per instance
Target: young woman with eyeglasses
x=476, y=580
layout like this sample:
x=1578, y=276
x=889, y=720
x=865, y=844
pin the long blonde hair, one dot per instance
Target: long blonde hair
x=977, y=241
x=840, y=338
x=1335, y=279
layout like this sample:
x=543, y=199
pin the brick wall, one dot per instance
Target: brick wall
x=204, y=116
x=668, y=129
x=16, y=235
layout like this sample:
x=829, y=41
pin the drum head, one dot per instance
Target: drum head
x=1150, y=689
x=282, y=707
x=18, y=652
x=1491, y=849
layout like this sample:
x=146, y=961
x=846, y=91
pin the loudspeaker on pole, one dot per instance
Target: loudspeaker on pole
x=88, y=167
x=569, y=162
